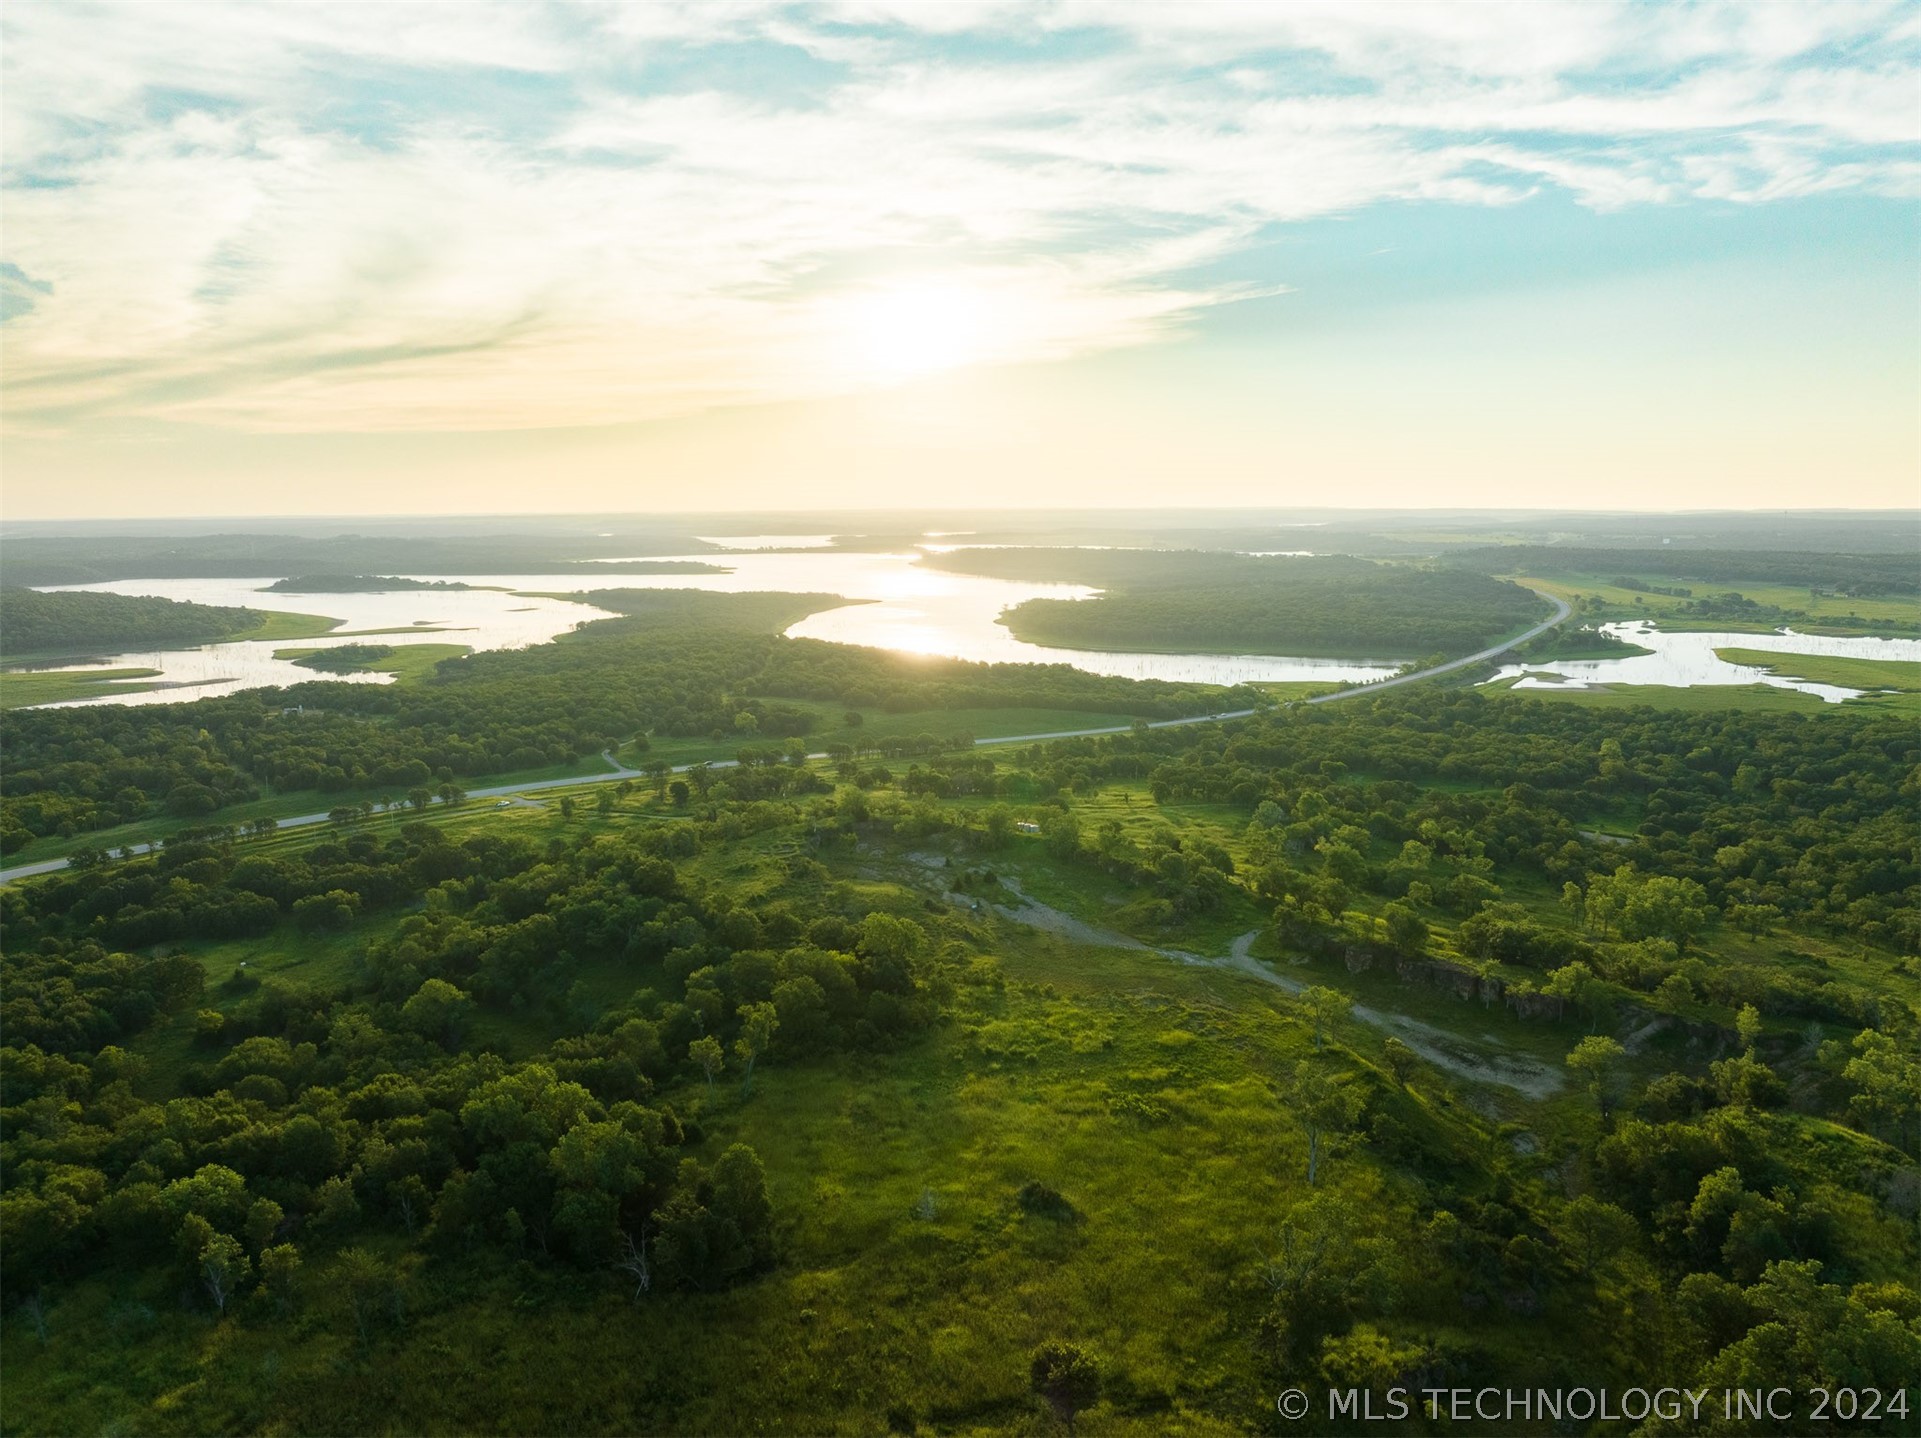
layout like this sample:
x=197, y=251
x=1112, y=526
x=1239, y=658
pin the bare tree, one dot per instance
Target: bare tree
x=633, y=1262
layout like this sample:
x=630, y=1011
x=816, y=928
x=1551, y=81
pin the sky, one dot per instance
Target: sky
x=287, y=258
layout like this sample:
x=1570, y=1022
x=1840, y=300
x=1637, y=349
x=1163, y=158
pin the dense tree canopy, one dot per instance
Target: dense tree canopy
x=1225, y=603
x=85, y=621
x=495, y=1080
x=680, y=665
x=1851, y=574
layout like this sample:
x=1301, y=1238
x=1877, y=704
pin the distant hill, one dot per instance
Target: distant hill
x=32, y=622
x=355, y=584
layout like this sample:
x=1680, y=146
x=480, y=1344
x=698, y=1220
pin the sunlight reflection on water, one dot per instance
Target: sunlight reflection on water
x=908, y=608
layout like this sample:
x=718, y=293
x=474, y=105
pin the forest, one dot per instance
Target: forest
x=345, y=658
x=1227, y=603
x=87, y=622
x=1854, y=575
x=679, y=663
x=814, y=1065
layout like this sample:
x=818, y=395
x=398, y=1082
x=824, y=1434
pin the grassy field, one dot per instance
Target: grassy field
x=1831, y=613
x=22, y=687
x=1281, y=693
x=408, y=663
x=877, y=724
x=284, y=624
x=912, y=1285
x=1702, y=697
x=1825, y=669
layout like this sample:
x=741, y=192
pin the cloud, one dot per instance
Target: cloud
x=418, y=216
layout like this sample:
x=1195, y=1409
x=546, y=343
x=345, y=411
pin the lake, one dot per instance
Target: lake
x=482, y=618
x=1684, y=660
x=910, y=609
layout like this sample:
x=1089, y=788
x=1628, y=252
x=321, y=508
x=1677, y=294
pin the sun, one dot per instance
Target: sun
x=903, y=331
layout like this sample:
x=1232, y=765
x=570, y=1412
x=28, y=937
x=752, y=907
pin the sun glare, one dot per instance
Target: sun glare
x=905, y=331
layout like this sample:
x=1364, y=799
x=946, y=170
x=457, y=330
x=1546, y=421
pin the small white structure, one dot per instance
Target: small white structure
x=1027, y=826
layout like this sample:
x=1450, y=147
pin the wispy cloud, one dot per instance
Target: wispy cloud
x=360, y=217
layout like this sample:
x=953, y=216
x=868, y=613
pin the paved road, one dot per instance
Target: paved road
x=1561, y=612
x=616, y=771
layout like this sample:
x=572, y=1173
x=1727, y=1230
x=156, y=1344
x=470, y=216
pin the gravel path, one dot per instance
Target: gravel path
x=1446, y=1051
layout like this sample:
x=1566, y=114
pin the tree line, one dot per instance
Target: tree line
x=682, y=664
x=84, y=621
x=1320, y=605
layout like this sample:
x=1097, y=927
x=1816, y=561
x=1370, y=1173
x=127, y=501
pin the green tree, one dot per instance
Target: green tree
x=214, y=1192
x=1406, y=930
x=1325, y=1007
x=1886, y=1076
x=740, y=1196
x=1598, y=1061
x=1364, y=1357
x=280, y=1275
x=1574, y=900
x=370, y=1288
x=1326, y=1106
x=1594, y=1233
x=1648, y=906
x=263, y=1222
x=438, y=1012
x=801, y=1004
x=1753, y=920
x=1401, y=1060
x=708, y=1057
x=1580, y=986
x=1067, y=1377
x=223, y=1268
x=757, y=1025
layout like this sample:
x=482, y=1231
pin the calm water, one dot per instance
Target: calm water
x=768, y=541
x=910, y=609
x=480, y=618
x=1683, y=661
x=917, y=610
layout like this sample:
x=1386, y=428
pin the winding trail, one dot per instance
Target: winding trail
x=1446, y=1051
x=617, y=771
